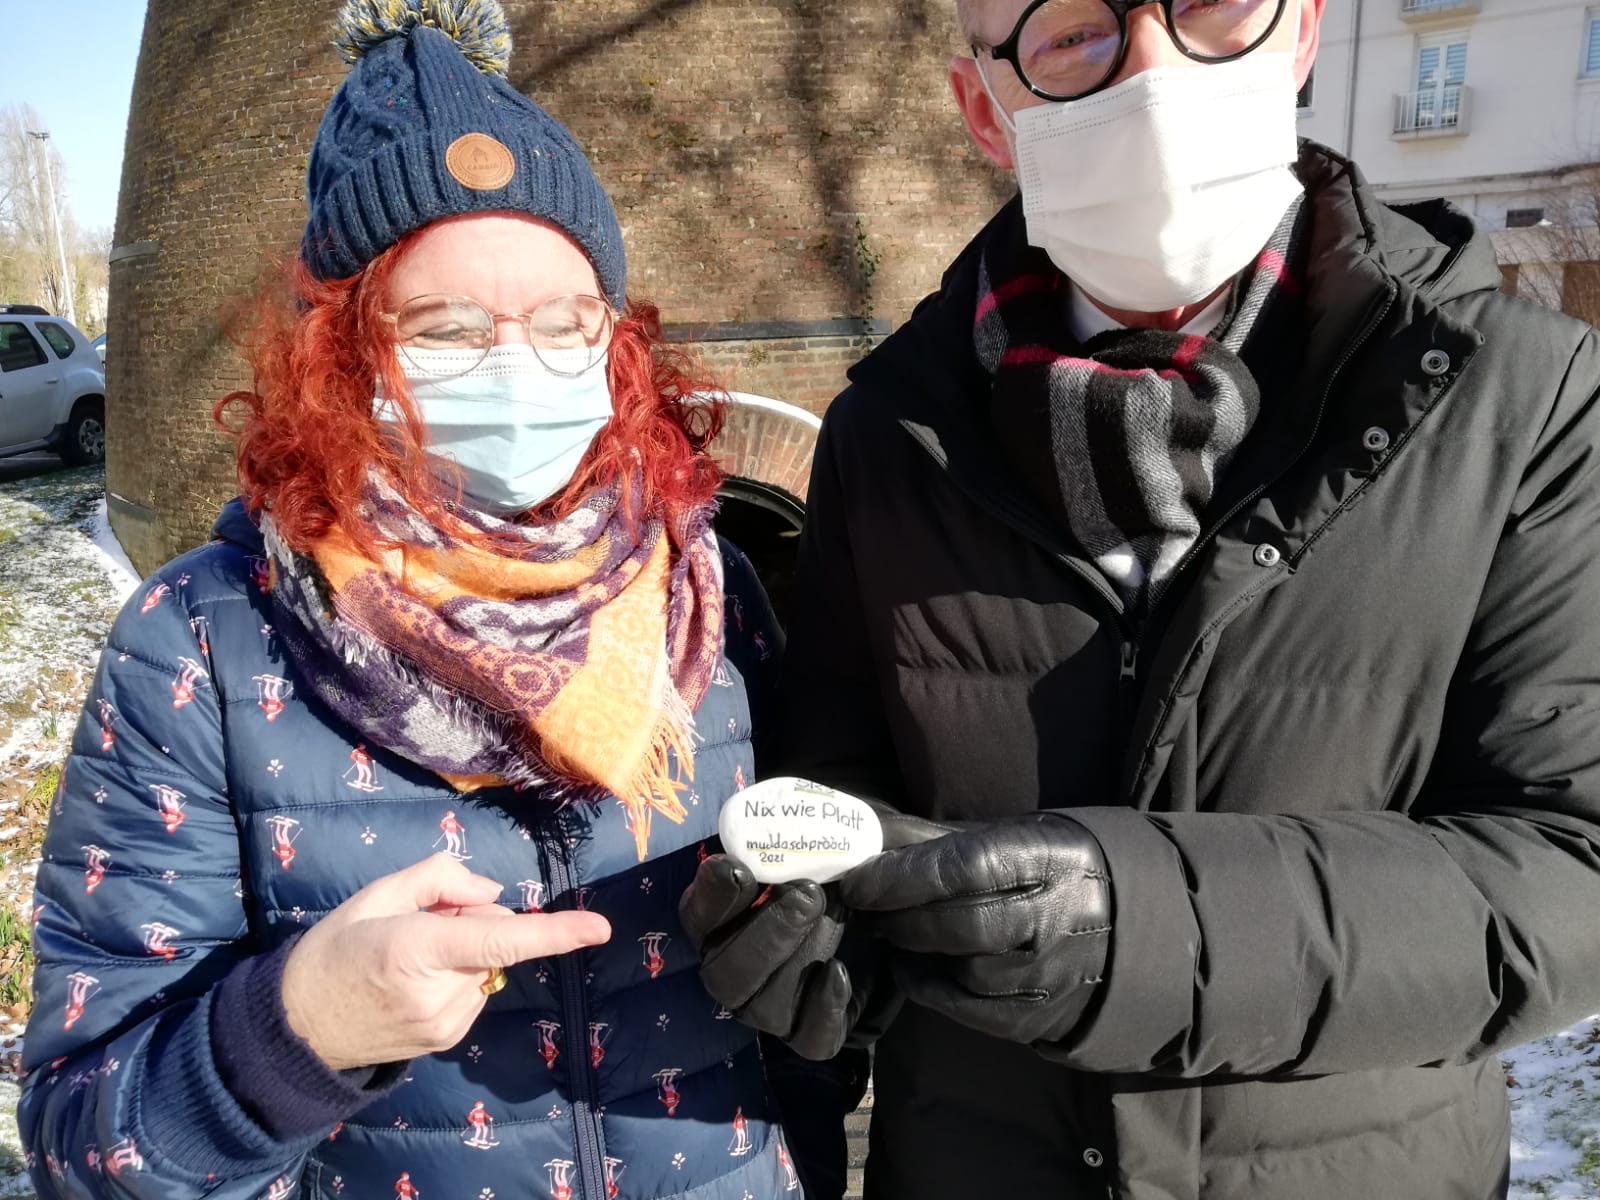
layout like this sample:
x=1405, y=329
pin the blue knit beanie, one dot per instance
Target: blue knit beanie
x=426, y=126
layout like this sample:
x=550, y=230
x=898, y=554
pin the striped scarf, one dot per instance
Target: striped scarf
x=1125, y=436
x=570, y=658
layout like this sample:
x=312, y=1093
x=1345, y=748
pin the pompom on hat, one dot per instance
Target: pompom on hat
x=427, y=126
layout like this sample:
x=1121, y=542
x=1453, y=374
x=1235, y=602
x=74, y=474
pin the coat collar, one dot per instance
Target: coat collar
x=235, y=524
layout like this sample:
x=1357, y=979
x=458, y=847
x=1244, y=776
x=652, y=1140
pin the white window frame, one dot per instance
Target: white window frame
x=1442, y=42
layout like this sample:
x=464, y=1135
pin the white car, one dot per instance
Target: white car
x=52, y=387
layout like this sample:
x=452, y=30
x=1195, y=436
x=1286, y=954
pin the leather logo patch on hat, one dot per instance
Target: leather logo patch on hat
x=477, y=161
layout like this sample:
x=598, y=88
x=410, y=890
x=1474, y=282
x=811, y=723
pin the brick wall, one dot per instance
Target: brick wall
x=770, y=445
x=805, y=372
x=769, y=161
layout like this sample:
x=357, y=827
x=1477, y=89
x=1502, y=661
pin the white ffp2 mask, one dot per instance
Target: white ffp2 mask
x=1153, y=194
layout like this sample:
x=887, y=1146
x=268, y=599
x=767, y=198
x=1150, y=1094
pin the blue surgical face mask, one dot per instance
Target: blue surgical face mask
x=514, y=428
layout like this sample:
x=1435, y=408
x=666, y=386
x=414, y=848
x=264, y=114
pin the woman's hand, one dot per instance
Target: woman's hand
x=394, y=971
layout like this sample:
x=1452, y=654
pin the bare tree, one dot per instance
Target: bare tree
x=1556, y=260
x=30, y=269
x=91, y=277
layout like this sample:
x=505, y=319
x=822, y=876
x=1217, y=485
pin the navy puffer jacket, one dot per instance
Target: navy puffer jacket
x=210, y=811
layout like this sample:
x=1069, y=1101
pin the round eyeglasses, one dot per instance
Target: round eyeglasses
x=1069, y=49
x=443, y=336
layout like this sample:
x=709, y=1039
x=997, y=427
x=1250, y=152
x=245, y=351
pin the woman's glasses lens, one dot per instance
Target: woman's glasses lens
x=571, y=333
x=445, y=336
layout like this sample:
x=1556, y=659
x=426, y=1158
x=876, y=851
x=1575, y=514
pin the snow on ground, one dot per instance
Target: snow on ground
x=62, y=578
x=1555, y=1105
x=13, y=1179
x=124, y=579
x=57, y=597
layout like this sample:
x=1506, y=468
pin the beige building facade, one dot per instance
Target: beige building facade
x=1494, y=104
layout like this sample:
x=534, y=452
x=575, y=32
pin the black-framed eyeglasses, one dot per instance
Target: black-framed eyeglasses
x=1069, y=49
x=442, y=336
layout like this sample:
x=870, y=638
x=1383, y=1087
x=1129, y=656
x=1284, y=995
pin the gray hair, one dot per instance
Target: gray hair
x=967, y=15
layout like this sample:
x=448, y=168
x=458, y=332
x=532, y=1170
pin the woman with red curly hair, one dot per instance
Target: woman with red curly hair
x=389, y=794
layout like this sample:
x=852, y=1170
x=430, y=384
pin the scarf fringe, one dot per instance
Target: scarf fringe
x=651, y=788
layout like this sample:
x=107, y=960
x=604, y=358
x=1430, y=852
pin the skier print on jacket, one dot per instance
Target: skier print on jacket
x=362, y=879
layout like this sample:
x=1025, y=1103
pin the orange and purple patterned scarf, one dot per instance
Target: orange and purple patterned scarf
x=570, y=659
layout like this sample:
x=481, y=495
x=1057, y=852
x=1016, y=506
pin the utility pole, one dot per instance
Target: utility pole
x=55, y=216
x=1351, y=81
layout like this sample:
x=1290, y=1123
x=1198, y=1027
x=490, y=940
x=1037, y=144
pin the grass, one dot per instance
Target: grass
x=16, y=961
x=16, y=946
x=1588, y=1168
x=11, y=1164
x=36, y=802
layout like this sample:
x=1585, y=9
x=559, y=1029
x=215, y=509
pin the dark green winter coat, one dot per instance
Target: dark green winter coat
x=1349, y=791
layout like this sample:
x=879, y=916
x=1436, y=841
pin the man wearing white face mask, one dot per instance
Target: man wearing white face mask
x=1216, y=554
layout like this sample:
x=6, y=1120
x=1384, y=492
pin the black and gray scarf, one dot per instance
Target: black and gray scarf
x=1125, y=435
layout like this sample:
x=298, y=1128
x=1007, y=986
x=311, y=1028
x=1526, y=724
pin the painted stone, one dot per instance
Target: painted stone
x=784, y=829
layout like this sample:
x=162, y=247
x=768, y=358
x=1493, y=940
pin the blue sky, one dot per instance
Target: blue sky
x=73, y=61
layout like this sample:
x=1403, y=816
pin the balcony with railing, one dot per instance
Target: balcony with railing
x=1422, y=10
x=1437, y=112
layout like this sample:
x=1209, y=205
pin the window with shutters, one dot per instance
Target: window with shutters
x=1591, y=45
x=1438, y=85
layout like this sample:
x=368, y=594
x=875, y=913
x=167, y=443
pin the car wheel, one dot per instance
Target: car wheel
x=85, y=439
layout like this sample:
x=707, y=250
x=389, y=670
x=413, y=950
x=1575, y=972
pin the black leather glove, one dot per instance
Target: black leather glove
x=784, y=958
x=1005, y=927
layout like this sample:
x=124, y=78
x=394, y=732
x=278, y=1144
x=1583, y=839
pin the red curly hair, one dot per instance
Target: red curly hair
x=308, y=437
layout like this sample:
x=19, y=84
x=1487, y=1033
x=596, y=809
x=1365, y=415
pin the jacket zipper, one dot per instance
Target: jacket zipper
x=1128, y=683
x=575, y=1010
x=1130, y=662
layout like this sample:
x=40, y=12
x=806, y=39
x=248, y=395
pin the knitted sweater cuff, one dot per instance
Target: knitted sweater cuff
x=272, y=1072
